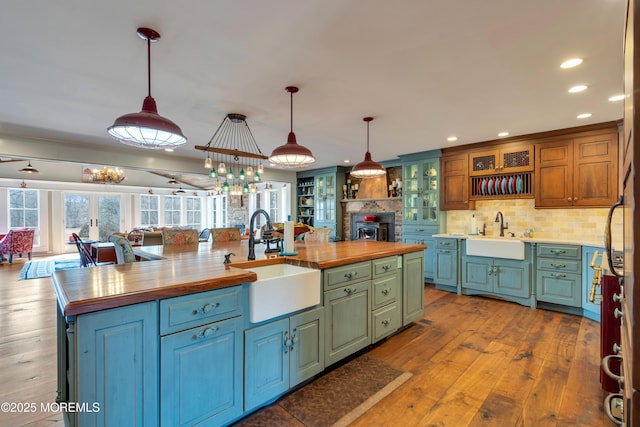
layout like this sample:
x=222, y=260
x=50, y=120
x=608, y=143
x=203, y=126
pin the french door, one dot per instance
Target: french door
x=91, y=216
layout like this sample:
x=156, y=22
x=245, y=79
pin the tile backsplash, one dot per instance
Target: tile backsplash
x=586, y=225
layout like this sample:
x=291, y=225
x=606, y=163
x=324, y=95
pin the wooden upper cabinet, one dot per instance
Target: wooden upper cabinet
x=506, y=158
x=455, y=182
x=577, y=172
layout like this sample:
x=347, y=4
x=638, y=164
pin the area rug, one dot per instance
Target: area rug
x=45, y=267
x=335, y=399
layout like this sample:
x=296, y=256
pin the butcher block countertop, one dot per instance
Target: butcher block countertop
x=180, y=270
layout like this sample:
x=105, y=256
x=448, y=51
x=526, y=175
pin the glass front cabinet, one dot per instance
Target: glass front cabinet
x=421, y=215
x=327, y=192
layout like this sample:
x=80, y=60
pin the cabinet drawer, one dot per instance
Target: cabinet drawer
x=446, y=244
x=190, y=311
x=340, y=276
x=559, y=288
x=559, y=251
x=385, y=290
x=385, y=321
x=383, y=266
x=563, y=265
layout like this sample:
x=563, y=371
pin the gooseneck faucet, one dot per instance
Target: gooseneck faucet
x=252, y=239
x=500, y=219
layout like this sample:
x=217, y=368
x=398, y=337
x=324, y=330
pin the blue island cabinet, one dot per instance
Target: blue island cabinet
x=116, y=367
x=282, y=354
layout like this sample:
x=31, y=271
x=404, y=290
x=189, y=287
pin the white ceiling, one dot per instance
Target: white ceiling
x=425, y=69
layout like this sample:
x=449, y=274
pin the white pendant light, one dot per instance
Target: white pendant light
x=147, y=129
x=367, y=168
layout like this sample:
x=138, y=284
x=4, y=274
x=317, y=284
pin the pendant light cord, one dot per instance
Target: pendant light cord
x=368, y=136
x=291, y=104
x=149, y=65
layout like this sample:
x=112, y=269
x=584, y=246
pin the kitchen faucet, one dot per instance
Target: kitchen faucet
x=500, y=219
x=264, y=237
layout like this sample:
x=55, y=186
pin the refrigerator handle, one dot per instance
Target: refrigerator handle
x=607, y=237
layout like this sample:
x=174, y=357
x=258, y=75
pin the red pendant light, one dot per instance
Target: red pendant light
x=367, y=168
x=147, y=129
x=291, y=155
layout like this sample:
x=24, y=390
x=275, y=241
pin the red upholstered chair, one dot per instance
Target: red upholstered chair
x=16, y=242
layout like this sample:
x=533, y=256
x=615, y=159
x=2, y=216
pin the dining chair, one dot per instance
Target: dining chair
x=124, y=251
x=179, y=236
x=317, y=235
x=86, y=260
x=226, y=234
x=152, y=238
x=204, y=236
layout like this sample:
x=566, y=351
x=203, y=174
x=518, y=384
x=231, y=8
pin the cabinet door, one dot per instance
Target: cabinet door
x=477, y=273
x=455, y=182
x=554, y=174
x=307, y=341
x=446, y=263
x=596, y=170
x=512, y=278
x=117, y=366
x=347, y=312
x=429, y=258
x=199, y=362
x=266, y=372
x=412, y=287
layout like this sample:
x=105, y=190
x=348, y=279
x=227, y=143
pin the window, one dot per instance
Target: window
x=218, y=209
x=193, y=212
x=272, y=204
x=172, y=210
x=24, y=211
x=149, y=210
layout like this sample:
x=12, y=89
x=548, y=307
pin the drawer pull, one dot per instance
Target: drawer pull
x=558, y=275
x=385, y=322
x=558, y=251
x=386, y=267
x=420, y=229
x=444, y=251
x=617, y=297
x=351, y=275
x=617, y=313
x=553, y=264
x=207, y=308
x=385, y=291
x=445, y=243
x=613, y=399
x=206, y=333
x=286, y=343
x=350, y=291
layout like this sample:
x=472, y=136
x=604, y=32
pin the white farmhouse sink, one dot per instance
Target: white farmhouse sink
x=507, y=247
x=282, y=289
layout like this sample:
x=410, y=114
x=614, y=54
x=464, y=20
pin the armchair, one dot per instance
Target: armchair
x=16, y=242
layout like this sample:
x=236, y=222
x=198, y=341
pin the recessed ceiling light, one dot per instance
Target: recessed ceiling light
x=584, y=115
x=170, y=150
x=452, y=138
x=503, y=134
x=569, y=63
x=347, y=161
x=577, y=89
x=616, y=98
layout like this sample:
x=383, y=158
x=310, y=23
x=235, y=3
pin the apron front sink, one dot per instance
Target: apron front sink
x=282, y=289
x=509, y=248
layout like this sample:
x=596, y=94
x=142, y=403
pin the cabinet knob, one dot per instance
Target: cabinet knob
x=617, y=297
x=616, y=348
x=385, y=291
x=617, y=313
x=206, y=333
x=575, y=199
x=568, y=199
x=385, y=322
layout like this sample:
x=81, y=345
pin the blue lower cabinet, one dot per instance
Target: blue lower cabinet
x=117, y=367
x=281, y=354
x=202, y=374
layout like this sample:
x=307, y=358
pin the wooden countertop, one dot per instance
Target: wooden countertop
x=180, y=270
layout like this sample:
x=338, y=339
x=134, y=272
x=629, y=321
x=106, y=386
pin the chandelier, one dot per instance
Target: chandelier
x=107, y=175
x=233, y=157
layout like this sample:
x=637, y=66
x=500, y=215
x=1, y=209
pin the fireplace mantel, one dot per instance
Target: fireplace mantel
x=380, y=205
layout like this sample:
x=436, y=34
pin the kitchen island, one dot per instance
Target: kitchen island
x=169, y=341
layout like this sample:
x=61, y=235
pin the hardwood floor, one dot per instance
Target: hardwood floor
x=475, y=361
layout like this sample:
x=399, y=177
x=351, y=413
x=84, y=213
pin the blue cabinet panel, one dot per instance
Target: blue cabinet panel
x=202, y=374
x=117, y=366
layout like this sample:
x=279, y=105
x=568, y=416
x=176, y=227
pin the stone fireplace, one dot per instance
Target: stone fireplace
x=387, y=210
